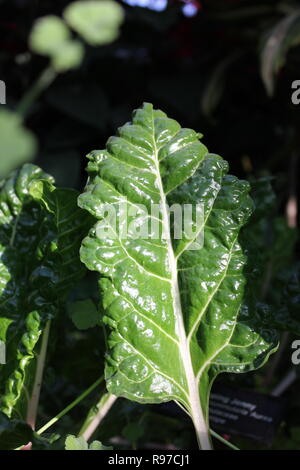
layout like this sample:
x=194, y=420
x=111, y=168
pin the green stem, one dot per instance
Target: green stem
x=36, y=390
x=72, y=405
x=44, y=80
x=221, y=439
x=96, y=415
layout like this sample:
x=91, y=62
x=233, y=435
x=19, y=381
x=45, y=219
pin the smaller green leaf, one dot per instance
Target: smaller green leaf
x=97, y=22
x=48, y=34
x=13, y=433
x=79, y=443
x=97, y=445
x=84, y=314
x=76, y=443
x=17, y=144
x=68, y=56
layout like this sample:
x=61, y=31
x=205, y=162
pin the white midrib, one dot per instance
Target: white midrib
x=193, y=391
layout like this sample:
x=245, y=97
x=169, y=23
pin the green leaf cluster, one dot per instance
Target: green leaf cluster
x=97, y=22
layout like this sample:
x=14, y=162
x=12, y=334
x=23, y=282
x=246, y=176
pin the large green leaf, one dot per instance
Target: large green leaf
x=177, y=316
x=41, y=228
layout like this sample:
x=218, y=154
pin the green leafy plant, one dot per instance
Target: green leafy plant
x=62, y=66
x=97, y=22
x=178, y=317
x=179, y=310
x=41, y=230
x=79, y=443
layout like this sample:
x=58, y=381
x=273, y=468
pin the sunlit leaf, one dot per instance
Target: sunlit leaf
x=177, y=317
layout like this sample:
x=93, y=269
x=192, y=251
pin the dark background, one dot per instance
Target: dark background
x=203, y=70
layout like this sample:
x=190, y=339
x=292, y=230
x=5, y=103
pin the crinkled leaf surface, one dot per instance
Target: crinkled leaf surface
x=177, y=316
x=40, y=232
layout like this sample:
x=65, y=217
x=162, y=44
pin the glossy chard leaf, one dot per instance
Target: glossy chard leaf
x=41, y=228
x=177, y=316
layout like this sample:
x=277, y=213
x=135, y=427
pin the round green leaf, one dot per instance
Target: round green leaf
x=75, y=443
x=68, y=56
x=48, y=34
x=97, y=22
x=97, y=445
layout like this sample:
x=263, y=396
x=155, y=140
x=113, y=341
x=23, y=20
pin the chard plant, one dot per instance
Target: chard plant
x=41, y=231
x=176, y=301
x=178, y=310
x=177, y=317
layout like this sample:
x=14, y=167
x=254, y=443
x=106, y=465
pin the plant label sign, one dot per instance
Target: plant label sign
x=245, y=413
x=2, y=92
x=2, y=352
